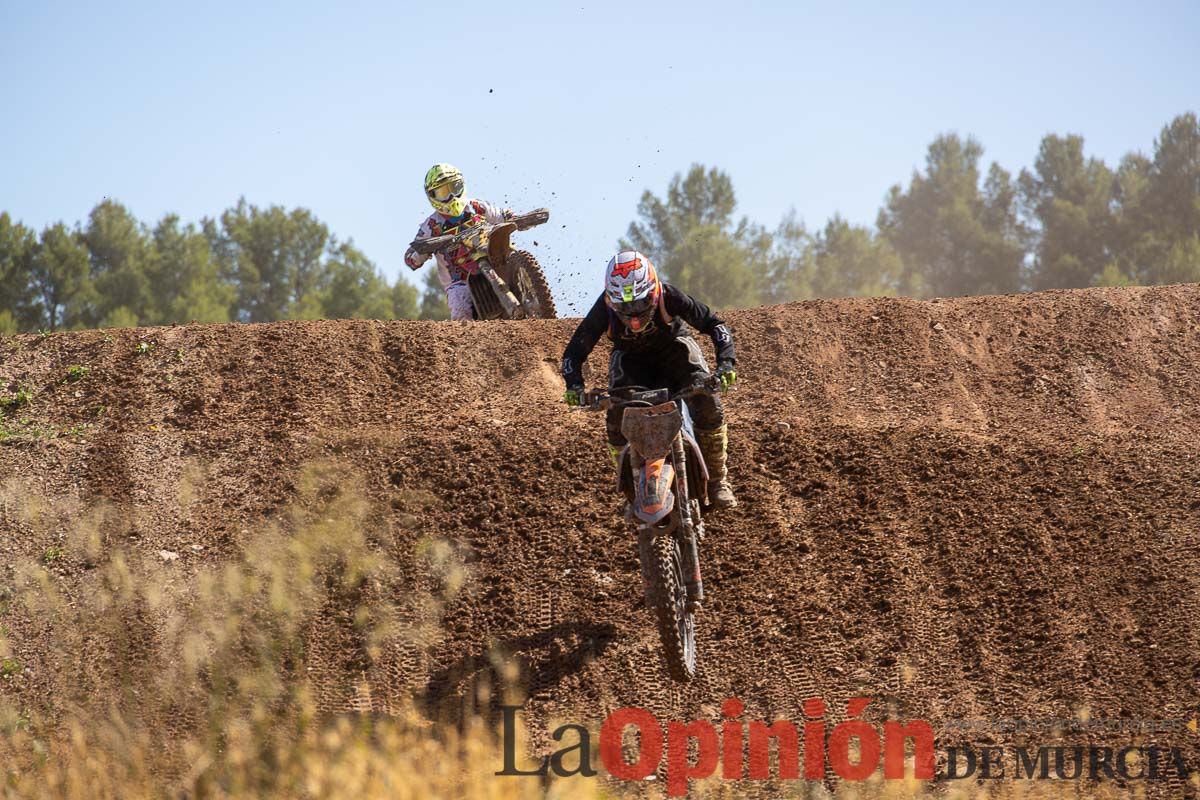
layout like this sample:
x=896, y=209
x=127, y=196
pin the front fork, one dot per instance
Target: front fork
x=691, y=553
x=512, y=306
x=645, y=553
x=685, y=531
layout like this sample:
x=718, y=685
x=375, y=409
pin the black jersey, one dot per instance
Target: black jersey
x=665, y=327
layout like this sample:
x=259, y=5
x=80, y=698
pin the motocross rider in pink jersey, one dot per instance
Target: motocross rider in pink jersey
x=453, y=211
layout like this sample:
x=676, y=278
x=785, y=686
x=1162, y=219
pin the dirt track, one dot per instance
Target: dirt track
x=983, y=507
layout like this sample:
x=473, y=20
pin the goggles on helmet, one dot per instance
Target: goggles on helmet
x=445, y=191
x=634, y=308
x=636, y=313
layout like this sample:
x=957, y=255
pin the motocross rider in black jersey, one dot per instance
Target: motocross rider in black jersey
x=643, y=317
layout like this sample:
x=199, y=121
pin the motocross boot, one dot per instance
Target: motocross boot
x=713, y=446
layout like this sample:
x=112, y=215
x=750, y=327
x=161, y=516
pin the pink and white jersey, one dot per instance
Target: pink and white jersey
x=451, y=265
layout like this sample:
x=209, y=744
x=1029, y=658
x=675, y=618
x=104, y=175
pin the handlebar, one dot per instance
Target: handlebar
x=532, y=219
x=434, y=244
x=602, y=400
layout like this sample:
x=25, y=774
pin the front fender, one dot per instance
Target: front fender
x=499, y=248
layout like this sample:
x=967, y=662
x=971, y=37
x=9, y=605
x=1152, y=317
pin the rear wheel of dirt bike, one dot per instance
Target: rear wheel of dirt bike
x=530, y=285
x=676, y=625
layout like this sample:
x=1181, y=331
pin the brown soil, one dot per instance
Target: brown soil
x=971, y=508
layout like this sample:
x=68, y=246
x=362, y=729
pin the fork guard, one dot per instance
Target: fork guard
x=645, y=539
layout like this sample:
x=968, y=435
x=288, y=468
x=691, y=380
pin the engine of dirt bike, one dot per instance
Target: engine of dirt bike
x=484, y=298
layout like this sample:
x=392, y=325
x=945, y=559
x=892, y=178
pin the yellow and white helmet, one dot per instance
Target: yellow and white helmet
x=445, y=189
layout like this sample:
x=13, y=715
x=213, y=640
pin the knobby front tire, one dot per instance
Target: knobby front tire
x=531, y=286
x=676, y=625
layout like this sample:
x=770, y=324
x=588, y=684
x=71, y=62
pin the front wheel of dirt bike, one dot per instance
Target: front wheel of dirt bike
x=530, y=285
x=676, y=625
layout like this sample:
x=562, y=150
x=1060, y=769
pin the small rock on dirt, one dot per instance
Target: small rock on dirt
x=167, y=555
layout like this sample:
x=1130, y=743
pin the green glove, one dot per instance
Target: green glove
x=573, y=397
x=726, y=375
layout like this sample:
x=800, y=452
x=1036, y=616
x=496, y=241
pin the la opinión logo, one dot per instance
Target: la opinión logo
x=741, y=749
x=853, y=749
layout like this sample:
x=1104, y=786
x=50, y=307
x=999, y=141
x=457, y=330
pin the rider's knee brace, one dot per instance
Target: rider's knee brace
x=707, y=411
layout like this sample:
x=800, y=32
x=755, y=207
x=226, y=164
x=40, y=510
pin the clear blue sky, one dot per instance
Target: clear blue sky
x=580, y=106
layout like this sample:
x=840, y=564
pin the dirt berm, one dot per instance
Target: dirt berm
x=978, y=508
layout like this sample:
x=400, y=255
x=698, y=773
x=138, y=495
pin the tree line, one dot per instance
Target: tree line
x=955, y=229
x=249, y=264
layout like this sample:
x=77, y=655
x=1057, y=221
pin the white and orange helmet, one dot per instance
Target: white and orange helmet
x=632, y=289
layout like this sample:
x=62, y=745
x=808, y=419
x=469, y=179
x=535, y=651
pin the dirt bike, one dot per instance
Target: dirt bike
x=504, y=283
x=666, y=510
